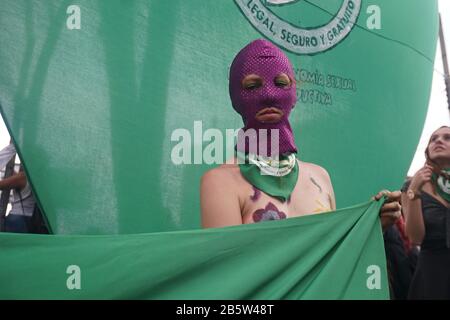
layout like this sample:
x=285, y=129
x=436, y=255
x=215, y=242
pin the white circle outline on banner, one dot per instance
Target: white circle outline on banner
x=310, y=32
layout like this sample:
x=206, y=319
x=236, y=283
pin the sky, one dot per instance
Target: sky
x=438, y=113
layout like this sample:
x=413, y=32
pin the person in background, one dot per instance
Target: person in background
x=401, y=257
x=24, y=216
x=427, y=212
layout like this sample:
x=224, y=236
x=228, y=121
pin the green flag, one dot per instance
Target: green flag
x=338, y=255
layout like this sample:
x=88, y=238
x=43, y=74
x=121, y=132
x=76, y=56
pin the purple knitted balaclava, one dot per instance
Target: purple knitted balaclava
x=265, y=60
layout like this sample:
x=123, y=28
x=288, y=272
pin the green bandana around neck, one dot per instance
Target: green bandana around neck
x=442, y=184
x=275, y=177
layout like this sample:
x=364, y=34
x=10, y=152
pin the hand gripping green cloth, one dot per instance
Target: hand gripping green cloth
x=338, y=255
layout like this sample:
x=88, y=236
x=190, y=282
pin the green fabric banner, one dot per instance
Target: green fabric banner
x=338, y=255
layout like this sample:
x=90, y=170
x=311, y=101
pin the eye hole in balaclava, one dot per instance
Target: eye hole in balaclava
x=283, y=81
x=252, y=82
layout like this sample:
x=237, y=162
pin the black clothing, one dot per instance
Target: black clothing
x=432, y=277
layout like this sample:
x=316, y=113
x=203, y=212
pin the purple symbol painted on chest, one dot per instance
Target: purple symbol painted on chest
x=270, y=212
x=256, y=195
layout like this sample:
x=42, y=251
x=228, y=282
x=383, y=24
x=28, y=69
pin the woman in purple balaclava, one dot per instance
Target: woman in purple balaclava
x=270, y=183
x=263, y=92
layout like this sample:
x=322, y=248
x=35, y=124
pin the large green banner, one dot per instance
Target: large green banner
x=336, y=255
x=115, y=106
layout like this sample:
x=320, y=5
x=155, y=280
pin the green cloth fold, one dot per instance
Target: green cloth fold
x=337, y=255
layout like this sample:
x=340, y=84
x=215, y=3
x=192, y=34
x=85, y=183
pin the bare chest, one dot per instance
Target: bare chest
x=310, y=196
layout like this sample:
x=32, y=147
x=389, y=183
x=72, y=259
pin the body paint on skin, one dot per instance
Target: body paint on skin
x=316, y=184
x=256, y=195
x=270, y=212
x=321, y=207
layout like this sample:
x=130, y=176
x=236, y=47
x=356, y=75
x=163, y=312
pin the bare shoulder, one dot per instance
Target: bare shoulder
x=319, y=176
x=314, y=169
x=219, y=197
x=225, y=175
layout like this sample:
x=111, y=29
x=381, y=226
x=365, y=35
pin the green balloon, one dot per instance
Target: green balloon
x=103, y=98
